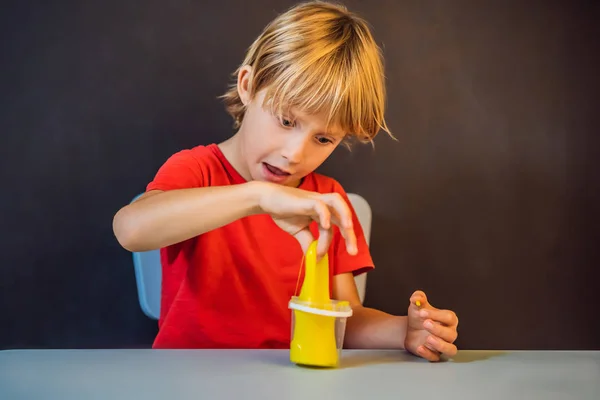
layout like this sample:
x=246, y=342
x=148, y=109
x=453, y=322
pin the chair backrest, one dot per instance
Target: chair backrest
x=363, y=212
x=148, y=278
x=148, y=272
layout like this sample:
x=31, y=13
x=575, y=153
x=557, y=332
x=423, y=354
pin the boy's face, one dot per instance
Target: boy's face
x=284, y=150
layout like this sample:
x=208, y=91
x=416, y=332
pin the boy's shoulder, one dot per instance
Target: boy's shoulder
x=322, y=183
x=197, y=154
x=196, y=166
x=200, y=159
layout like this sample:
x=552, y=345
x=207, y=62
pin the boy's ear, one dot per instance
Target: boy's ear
x=244, y=84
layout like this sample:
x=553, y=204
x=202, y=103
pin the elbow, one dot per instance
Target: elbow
x=126, y=231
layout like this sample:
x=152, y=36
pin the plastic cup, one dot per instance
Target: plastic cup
x=317, y=334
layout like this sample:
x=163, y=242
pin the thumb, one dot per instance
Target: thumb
x=419, y=300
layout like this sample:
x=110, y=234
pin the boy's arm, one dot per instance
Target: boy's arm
x=161, y=218
x=427, y=331
x=368, y=327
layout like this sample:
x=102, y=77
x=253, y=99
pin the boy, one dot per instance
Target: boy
x=233, y=219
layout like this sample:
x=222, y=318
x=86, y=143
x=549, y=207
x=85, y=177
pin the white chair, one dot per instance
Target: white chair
x=148, y=269
x=363, y=212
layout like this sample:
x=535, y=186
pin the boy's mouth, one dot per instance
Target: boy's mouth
x=276, y=171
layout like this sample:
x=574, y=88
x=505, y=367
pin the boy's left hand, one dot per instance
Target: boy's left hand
x=431, y=332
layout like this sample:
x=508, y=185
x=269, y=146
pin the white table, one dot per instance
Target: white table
x=268, y=374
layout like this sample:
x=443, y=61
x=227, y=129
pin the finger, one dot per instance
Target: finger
x=445, y=317
x=325, y=238
x=321, y=214
x=335, y=201
x=442, y=346
x=419, y=299
x=430, y=347
x=427, y=354
x=348, y=234
x=342, y=217
x=444, y=332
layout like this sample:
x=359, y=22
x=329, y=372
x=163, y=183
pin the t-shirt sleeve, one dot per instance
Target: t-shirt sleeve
x=343, y=261
x=181, y=171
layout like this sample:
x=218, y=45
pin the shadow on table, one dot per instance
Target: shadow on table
x=358, y=359
x=351, y=359
x=474, y=355
x=362, y=358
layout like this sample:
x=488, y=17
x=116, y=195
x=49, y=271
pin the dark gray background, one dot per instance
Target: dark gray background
x=489, y=200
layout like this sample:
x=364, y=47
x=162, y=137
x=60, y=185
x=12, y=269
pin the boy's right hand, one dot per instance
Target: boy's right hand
x=293, y=210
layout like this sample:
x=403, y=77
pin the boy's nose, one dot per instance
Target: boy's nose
x=294, y=149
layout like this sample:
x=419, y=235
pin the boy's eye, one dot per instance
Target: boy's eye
x=286, y=122
x=324, y=140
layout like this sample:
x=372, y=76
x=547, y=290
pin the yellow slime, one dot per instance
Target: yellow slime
x=314, y=340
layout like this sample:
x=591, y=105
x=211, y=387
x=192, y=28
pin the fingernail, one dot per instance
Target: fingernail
x=423, y=313
x=431, y=340
x=428, y=324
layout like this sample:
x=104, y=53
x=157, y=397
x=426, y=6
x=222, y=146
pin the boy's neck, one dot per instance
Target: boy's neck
x=231, y=150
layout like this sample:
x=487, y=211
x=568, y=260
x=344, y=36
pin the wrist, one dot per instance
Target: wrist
x=255, y=192
x=402, y=324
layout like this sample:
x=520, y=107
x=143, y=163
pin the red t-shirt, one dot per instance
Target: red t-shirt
x=230, y=287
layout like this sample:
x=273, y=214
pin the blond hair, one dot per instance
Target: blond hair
x=318, y=57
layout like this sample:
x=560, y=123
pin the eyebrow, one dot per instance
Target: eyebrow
x=336, y=135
